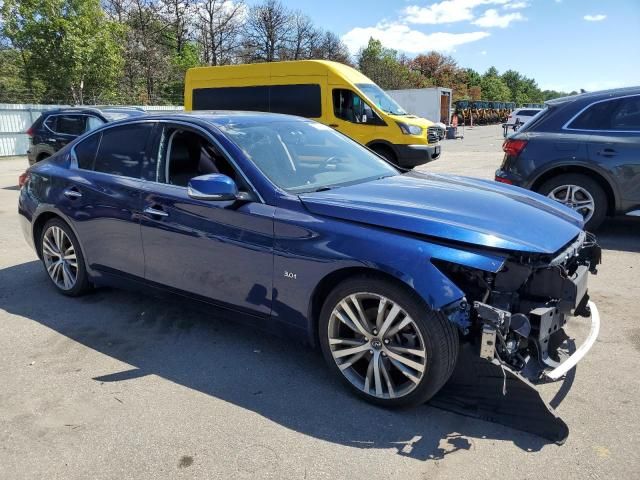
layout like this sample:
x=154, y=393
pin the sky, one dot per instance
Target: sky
x=563, y=44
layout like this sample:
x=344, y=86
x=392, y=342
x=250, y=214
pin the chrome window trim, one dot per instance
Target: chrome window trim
x=566, y=125
x=207, y=134
x=167, y=154
x=66, y=115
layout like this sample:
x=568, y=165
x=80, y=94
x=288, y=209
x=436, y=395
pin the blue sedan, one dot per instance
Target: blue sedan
x=292, y=226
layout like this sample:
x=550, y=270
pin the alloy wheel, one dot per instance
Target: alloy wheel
x=576, y=197
x=376, y=345
x=60, y=258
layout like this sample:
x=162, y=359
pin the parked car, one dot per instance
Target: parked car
x=55, y=128
x=297, y=228
x=522, y=115
x=583, y=151
x=330, y=92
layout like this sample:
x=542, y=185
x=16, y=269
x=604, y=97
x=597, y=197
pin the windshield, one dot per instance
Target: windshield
x=303, y=156
x=383, y=101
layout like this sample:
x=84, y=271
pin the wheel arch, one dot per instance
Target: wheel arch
x=42, y=156
x=612, y=198
x=40, y=221
x=384, y=144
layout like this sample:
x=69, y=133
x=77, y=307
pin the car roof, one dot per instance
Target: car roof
x=108, y=112
x=223, y=117
x=594, y=96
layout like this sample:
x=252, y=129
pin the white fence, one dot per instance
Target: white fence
x=15, y=119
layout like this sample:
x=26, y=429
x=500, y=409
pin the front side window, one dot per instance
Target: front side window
x=122, y=150
x=618, y=114
x=304, y=156
x=348, y=106
x=185, y=154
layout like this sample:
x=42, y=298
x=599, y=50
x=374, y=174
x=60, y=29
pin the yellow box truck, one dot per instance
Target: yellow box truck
x=328, y=92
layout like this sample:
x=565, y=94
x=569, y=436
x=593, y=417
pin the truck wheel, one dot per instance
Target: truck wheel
x=384, y=342
x=581, y=193
x=386, y=153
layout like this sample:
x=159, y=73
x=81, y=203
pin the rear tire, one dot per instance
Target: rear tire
x=583, y=190
x=396, y=365
x=62, y=258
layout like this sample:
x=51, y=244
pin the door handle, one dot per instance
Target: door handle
x=155, y=212
x=72, y=193
x=334, y=125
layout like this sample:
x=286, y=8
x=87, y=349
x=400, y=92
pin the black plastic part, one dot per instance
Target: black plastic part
x=475, y=390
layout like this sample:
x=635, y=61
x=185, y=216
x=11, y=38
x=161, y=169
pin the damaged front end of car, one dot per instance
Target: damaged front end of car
x=515, y=317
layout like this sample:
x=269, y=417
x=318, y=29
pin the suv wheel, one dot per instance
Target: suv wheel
x=62, y=258
x=581, y=193
x=385, y=343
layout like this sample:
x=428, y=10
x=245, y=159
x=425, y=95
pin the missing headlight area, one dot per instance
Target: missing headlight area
x=516, y=316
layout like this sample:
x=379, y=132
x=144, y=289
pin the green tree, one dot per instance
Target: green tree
x=493, y=87
x=68, y=44
x=384, y=67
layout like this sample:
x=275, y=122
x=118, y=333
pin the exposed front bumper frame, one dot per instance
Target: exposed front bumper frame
x=562, y=368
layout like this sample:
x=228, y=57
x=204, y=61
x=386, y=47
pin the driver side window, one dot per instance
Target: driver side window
x=185, y=154
x=348, y=106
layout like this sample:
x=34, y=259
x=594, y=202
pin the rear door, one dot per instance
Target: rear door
x=219, y=250
x=104, y=200
x=613, y=143
x=64, y=128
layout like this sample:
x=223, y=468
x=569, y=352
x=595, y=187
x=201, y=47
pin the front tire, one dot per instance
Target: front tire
x=62, y=258
x=385, y=343
x=581, y=193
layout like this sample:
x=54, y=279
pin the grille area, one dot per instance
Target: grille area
x=433, y=134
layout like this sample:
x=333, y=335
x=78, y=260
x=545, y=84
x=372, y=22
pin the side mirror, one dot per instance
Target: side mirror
x=213, y=187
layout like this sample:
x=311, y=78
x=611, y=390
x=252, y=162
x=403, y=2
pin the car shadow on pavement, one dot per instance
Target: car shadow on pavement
x=280, y=380
x=622, y=234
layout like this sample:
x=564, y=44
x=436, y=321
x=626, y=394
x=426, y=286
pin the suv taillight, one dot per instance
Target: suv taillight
x=29, y=132
x=513, y=148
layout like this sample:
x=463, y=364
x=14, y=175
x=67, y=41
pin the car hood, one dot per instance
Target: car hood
x=477, y=212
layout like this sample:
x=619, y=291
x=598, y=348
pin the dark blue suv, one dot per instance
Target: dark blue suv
x=55, y=128
x=583, y=151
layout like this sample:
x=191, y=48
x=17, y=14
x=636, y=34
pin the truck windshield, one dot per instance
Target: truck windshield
x=303, y=156
x=383, y=101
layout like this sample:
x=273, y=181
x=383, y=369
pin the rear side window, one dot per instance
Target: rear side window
x=122, y=150
x=528, y=113
x=232, y=98
x=618, y=114
x=71, y=124
x=302, y=100
x=85, y=151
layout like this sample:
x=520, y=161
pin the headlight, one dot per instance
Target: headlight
x=409, y=129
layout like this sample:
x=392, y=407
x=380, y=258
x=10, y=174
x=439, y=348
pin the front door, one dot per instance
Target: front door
x=352, y=116
x=221, y=250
